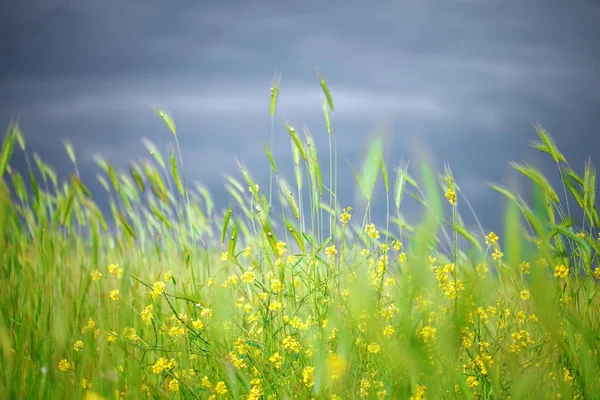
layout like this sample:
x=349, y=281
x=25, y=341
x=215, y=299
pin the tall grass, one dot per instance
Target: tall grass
x=188, y=299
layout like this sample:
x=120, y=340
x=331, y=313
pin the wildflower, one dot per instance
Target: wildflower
x=472, y=382
x=276, y=359
x=205, y=383
x=524, y=267
x=451, y=196
x=237, y=362
x=372, y=231
x=428, y=333
x=220, y=388
x=308, y=376
x=346, y=216
x=64, y=365
x=158, y=289
x=491, y=239
x=113, y=269
x=198, y=324
x=388, y=331
x=275, y=306
x=114, y=294
x=147, y=314
x=560, y=271
x=482, y=270
x=256, y=390
x=96, y=275
x=168, y=275
x=224, y=256
x=497, y=255
x=373, y=348
x=130, y=334
x=289, y=343
x=402, y=257
x=176, y=331
x=276, y=285
x=331, y=252
x=525, y=294
x=174, y=384
x=280, y=247
x=78, y=345
x=160, y=365
x=397, y=245
x=85, y=383
x=364, y=387
x=597, y=273
x=247, y=277
x=419, y=393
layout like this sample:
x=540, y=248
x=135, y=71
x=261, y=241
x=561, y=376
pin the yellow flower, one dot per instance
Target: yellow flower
x=420, y=393
x=78, y=345
x=331, y=252
x=168, y=275
x=428, y=333
x=597, y=273
x=206, y=313
x=276, y=359
x=524, y=267
x=131, y=334
x=158, y=289
x=497, y=255
x=198, y=324
x=275, y=306
x=372, y=231
x=561, y=271
x=111, y=336
x=96, y=275
x=64, y=365
x=221, y=388
x=247, y=277
x=160, y=365
x=174, y=385
x=397, y=245
x=402, y=257
x=346, y=216
x=224, y=256
x=147, y=314
x=525, y=294
x=388, y=331
x=373, y=348
x=491, y=239
x=472, y=382
x=114, y=294
x=451, y=196
x=178, y=330
x=85, y=383
x=276, y=285
x=280, y=247
x=114, y=269
x=308, y=376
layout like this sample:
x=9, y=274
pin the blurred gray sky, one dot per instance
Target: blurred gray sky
x=466, y=79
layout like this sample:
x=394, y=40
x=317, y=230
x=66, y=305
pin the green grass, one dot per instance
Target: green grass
x=185, y=298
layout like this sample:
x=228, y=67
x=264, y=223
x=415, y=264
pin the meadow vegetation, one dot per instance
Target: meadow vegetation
x=289, y=293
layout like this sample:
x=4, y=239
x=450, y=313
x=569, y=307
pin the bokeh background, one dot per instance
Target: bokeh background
x=466, y=80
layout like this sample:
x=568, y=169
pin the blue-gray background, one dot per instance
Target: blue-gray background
x=465, y=79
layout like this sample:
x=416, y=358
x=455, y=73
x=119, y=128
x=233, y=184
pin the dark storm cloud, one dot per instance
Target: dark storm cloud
x=468, y=79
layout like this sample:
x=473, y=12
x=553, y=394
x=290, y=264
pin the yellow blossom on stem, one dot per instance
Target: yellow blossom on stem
x=64, y=365
x=560, y=271
x=114, y=294
x=96, y=275
x=331, y=252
